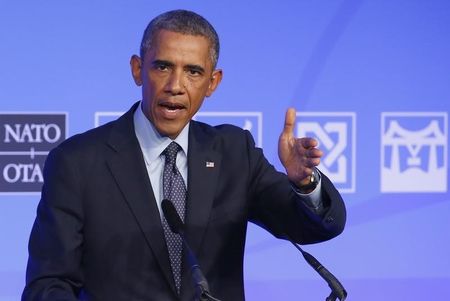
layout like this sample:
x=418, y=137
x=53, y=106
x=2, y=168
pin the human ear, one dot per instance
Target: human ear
x=136, y=67
x=216, y=78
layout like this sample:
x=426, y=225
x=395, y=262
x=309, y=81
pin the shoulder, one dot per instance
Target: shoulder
x=222, y=131
x=119, y=131
x=80, y=156
x=225, y=138
x=89, y=140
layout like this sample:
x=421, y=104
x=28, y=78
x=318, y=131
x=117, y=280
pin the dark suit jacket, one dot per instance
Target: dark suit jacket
x=98, y=233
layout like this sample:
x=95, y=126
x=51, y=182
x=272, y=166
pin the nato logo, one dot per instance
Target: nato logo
x=105, y=117
x=336, y=134
x=25, y=141
x=414, y=152
x=251, y=121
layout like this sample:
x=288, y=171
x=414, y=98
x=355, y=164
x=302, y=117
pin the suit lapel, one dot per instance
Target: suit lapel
x=204, y=164
x=127, y=166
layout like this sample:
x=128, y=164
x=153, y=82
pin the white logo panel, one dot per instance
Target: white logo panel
x=251, y=121
x=414, y=151
x=336, y=133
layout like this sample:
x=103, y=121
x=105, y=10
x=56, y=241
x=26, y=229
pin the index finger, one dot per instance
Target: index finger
x=308, y=142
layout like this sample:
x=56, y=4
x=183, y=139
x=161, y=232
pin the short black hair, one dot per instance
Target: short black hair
x=185, y=22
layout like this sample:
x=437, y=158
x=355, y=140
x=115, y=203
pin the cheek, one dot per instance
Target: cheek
x=197, y=96
x=197, y=89
x=150, y=89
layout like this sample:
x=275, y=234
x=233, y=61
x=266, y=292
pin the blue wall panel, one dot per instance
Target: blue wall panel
x=370, y=79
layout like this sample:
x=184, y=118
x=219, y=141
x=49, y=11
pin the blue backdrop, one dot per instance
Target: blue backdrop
x=369, y=79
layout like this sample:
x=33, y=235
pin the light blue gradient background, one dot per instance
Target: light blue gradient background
x=357, y=56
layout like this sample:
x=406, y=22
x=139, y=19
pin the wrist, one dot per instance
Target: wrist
x=307, y=188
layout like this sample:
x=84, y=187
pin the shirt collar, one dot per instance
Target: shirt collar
x=153, y=143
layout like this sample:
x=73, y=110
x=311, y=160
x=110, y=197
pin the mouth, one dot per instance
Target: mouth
x=171, y=110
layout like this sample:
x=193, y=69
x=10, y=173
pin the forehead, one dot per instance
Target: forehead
x=169, y=45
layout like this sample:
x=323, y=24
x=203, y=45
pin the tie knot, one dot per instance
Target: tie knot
x=171, y=152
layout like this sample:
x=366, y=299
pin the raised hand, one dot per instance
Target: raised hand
x=298, y=155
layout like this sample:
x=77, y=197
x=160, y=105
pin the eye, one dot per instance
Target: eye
x=194, y=72
x=161, y=67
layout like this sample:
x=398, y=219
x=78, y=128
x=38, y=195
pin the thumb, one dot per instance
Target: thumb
x=289, y=122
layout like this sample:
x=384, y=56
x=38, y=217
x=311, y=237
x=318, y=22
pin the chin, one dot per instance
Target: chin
x=172, y=133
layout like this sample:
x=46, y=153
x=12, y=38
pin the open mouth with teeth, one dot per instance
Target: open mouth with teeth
x=172, y=110
x=172, y=106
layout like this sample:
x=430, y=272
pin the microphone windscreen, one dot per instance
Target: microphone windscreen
x=172, y=217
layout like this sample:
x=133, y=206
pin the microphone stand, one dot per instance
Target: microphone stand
x=177, y=226
x=201, y=284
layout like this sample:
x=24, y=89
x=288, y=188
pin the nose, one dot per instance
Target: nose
x=175, y=83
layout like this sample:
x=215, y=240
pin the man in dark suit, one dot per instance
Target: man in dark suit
x=99, y=233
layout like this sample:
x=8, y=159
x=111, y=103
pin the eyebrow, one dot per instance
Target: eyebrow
x=162, y=62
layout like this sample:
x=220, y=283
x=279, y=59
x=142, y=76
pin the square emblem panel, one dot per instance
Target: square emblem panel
x=336, y=133
x=414, y=152
x=26, y=138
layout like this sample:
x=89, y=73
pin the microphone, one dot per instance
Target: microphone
x=172, y=217
x=176, y=226
x=337, y=289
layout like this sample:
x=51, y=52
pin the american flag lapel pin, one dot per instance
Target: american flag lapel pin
x=209, y=164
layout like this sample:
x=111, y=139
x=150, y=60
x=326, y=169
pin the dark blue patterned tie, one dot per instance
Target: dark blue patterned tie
x=174, y=190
